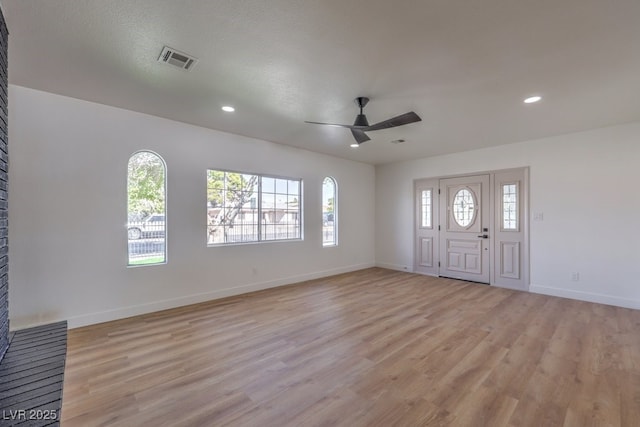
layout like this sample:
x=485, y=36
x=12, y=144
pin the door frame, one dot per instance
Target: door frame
x=525, y=221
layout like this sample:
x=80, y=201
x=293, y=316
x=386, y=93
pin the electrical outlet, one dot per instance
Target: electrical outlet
x=575, y=276
x=538, y=216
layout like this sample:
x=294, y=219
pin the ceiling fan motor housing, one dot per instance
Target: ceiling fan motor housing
x=361, y=120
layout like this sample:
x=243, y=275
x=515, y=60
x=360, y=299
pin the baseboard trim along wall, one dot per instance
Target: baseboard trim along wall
x=405, y=268
x=124, y=312
x=547, y=290
x=586, y=296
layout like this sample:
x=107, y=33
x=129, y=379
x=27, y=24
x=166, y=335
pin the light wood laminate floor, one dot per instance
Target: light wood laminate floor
x=370, y=348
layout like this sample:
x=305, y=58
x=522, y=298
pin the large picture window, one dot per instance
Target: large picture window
x=244, y=208
x=329, y=212
x=146, y=209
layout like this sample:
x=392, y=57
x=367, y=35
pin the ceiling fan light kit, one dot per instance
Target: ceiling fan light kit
x=361, y=124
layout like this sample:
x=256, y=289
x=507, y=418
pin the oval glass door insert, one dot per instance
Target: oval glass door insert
x=464, y=207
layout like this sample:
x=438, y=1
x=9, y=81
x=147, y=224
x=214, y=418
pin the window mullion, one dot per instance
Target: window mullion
x=259, y=208
x=277, y=210
x=225, y=206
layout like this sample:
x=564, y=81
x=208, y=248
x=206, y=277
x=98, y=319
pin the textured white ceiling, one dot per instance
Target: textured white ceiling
x=464, y=66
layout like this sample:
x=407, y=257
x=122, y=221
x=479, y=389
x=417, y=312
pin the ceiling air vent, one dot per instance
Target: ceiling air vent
x=179, y=59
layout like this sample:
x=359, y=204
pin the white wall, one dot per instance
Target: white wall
x=587, y=187
x=68, y=257
x=68, y=246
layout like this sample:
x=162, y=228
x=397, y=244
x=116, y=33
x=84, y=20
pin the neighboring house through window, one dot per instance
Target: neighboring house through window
x=244, y=208
x=146, y=209
x=329, y=212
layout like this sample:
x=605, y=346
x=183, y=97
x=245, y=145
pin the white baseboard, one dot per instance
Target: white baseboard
x=398, y=267
x=513, y=288
x=586, y=296
x=121, y=313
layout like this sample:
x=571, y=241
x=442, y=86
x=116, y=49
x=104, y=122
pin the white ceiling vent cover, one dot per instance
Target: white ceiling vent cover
x=179, y=59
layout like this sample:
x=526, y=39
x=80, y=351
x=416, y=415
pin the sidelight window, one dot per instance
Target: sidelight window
x=510, y=206
x=426, y=209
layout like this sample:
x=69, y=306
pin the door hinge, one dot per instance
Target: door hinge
x=438, y=191
x=438, y=263
x=438, y=228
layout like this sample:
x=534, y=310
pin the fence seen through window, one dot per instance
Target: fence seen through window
x=244, y=208
x=146, y=209
x=329, y=212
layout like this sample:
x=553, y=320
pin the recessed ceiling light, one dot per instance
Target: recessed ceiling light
x=532, y=99
x=228, y=109
x=354, y=145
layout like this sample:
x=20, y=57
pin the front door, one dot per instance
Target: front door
x=465, y=221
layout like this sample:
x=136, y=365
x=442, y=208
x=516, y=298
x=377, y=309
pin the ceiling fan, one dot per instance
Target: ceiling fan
x=361, y=124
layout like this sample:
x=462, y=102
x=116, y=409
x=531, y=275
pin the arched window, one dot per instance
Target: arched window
x=329, y=212
x=146, y=209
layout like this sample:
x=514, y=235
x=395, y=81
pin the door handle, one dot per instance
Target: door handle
x=484, y=236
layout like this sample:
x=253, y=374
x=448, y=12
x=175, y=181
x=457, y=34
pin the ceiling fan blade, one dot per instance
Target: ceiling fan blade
x=360, y=136
x=331, y=124
x=402, y=119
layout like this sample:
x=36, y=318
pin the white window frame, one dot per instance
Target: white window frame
x=515, y=229
x=164, y=185
x=259, y=209
x=334, y=241
x=429, y=208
